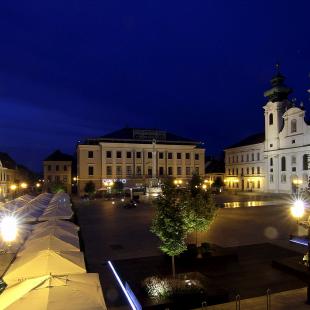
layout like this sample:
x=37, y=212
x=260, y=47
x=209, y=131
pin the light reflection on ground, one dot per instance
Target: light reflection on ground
x=243, y=204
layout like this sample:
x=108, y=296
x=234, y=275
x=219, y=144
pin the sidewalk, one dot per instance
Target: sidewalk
x=288, y=300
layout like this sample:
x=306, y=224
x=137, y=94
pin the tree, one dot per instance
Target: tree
x=218, y=183
x=118, y=186
x=199, y=208
x=90, y=188
x=57, y=187
x=169, y=224
x=195, y=184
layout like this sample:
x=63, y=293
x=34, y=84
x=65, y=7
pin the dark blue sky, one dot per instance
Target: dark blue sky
x=72, y=69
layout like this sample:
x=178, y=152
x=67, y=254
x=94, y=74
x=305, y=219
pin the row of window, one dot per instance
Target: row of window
x=283, y=178
x=236, y=171
x=293, y=123
x=243, y=158
x=247, y=185
x=57, y=178
x=161, y=155
x=57, y=167
x=138, y=172
x=305, y=163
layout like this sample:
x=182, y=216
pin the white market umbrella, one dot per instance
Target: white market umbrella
x=43, y=263
x=55, y=231
x=56, y=223
x=76, y=292
x=50, y=242
x=57, y=213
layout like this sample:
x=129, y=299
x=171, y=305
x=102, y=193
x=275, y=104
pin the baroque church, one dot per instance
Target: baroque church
x=277, y=159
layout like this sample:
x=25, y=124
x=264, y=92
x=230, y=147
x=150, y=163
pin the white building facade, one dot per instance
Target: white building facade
x=276, y=160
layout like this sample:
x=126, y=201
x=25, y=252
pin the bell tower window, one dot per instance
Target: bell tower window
x=270, y=119
x=293, y=125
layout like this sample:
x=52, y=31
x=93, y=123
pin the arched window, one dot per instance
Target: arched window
x=305, y=164
x=271, y=162
x=293, y=125
x=270, y=119
x=283, y=164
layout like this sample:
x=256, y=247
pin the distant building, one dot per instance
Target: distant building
x=58, y=171
x=12, y=174
x=135, y=156
x=277, y=159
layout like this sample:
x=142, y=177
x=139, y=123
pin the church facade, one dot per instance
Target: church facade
x=277, y=159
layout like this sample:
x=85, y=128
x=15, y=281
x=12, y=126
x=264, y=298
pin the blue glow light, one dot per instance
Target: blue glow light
x=122, y=286
x=299, y=241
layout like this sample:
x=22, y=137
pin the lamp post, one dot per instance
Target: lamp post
x=13, y=188
x=8, y=227
x=297, y=211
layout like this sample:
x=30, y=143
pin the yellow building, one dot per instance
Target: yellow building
x=58, y=171
x=136, y=156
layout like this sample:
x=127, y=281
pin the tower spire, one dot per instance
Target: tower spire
x=278, y=91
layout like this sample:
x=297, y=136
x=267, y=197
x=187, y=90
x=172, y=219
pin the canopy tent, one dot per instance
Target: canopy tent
x=45, y=262
x=17, y=203
x=33, y=208
x=76, y=292
x=59, y=212
x=50, y=242
x=55, y=231
x=57, y=224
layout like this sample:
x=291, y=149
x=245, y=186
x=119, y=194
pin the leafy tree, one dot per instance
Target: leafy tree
x=118, y=186
x=218, y=183
x=90, y=188
x=195, y=184
x=57, y=187
x=199, y=208
x=169, y=224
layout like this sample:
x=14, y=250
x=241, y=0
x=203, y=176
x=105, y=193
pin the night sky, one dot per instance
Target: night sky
x=73, y=69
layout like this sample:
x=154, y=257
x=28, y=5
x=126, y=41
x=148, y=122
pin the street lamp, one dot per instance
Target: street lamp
x=13, y=187
x=23, y=185
x=8, y=229
x=297, y=211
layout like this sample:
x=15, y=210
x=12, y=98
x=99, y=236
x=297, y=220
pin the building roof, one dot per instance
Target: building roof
x=253, y=139
x=142, y=135
x=58, y=156
x=7, y=161
x=215, y=166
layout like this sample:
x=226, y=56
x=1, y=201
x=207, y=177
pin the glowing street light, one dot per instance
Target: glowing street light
x=8, y=228
x=75, y=179
x=13, y=187
x=38, y=185
x=23, y=185
x=298, y=209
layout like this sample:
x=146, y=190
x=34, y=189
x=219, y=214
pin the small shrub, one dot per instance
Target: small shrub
x=157, y=288
x=161, y=288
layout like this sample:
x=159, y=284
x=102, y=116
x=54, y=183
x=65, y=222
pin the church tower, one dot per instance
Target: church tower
x=276, y=106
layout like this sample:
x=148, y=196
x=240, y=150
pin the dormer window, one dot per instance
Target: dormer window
x=270, y=119
x=293, y=125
